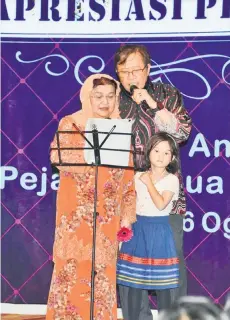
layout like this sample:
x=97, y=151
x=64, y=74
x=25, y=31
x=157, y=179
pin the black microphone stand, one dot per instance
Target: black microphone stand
x=97, y=148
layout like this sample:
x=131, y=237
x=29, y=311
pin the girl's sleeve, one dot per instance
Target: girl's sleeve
x=173, y=185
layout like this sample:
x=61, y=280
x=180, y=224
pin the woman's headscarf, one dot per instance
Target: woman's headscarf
x=86, y=112
x=79, y=119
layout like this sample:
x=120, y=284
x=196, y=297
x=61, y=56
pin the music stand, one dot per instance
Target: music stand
x=97, y=148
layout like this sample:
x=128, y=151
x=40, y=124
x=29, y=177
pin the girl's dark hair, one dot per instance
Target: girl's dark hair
x=173, y=166
x=104, y=81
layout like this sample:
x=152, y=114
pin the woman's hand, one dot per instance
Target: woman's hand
x=125, y=223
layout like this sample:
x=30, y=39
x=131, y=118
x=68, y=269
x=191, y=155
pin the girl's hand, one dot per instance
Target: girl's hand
x=146, y=179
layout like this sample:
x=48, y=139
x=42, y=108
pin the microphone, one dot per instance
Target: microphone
x=143, y=103
x=132, y=88
x=96, y=144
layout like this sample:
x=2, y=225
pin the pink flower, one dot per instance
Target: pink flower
x=124, y=234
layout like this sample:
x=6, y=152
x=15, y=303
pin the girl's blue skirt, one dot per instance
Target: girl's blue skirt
x=149, y=259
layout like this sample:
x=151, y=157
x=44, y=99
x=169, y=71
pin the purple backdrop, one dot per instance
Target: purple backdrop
x=36, y=94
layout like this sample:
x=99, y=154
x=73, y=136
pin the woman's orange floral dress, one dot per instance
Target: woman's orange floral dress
x=69, y=297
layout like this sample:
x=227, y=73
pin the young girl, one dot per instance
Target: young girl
x=149, y=260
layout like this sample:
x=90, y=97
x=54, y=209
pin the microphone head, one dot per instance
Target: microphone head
x=94, y=127
x=132, y=88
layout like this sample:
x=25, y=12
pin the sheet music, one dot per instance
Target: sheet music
x=114, y=141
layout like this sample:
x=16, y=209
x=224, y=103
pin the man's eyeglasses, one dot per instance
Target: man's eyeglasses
x=135, y=73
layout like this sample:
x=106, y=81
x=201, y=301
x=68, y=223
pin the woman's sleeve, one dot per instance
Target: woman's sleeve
x=67, y=140
x=128, y=205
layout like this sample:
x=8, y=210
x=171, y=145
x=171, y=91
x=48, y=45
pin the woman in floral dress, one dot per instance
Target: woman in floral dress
x=69, y=297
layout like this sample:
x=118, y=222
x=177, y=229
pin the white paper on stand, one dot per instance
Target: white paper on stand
x=114, y=141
